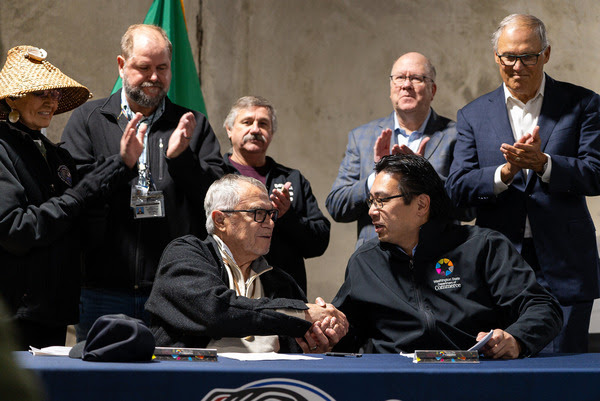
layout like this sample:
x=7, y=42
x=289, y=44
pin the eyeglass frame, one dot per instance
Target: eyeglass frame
x=380, y=202
x=410, y=78
x=520, y=58
x=273, y=213
x=53, y=94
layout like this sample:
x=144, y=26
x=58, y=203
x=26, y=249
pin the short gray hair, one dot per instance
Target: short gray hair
x=529, y=21
x=246, y=102
x=224, y=194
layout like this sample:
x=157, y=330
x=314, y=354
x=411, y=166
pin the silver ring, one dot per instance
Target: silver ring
x=518, y=158
x=314, y=348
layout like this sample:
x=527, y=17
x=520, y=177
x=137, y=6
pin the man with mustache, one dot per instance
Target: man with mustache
x=301, y=230
x=413, y=127
x=180, y=161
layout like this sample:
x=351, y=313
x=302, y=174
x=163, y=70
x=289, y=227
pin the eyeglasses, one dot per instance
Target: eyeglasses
x=380, y=202
x=53, y=94
x=526, y=59
x=398, y=80
x=260, y=215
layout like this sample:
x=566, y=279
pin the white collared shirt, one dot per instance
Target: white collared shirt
x=251, y=288
x=523, y=119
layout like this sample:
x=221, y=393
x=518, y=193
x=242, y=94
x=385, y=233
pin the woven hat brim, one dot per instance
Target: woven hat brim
x=21, y=75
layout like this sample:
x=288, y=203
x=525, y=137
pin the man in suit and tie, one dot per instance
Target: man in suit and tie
x=413, y=127
x=527, y=155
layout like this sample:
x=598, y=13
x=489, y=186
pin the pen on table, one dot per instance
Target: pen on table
x=350, y=354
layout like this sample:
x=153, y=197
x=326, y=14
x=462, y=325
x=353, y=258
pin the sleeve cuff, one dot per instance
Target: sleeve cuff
x=299, y=314
x=545, y=176
x=499, y=186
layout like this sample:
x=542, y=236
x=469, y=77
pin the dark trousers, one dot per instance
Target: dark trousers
x=97, y=302
x=574, y=335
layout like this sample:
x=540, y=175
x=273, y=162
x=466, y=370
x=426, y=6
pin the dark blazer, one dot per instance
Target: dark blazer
x=562, y=228
x=346, y=201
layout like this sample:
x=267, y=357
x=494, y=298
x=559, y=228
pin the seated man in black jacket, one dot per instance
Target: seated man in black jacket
x=221, y=292
x=428, y=284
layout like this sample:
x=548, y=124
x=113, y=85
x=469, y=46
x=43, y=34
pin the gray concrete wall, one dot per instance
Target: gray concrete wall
x=323, y=63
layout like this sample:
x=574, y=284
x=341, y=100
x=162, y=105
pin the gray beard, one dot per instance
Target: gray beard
x=137, y=94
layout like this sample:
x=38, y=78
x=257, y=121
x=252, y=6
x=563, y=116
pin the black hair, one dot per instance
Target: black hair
x=417, y=176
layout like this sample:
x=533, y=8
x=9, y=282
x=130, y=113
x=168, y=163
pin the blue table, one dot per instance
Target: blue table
x=370, y=378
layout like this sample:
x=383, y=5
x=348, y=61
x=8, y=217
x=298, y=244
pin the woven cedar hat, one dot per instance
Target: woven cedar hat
x=26, y=70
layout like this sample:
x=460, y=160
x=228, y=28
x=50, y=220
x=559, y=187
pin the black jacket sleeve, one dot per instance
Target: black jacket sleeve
x=190, y=296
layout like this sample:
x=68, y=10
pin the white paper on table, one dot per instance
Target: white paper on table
x=266, y=356
x=50, y=351
x=482, y=342
x=476, y=347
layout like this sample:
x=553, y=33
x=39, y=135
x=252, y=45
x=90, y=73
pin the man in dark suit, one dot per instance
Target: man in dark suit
x=413, y=127
x=527, y=155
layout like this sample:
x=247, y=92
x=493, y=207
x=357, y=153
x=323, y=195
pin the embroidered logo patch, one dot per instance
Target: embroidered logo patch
x=65, y=175
x=444, y=267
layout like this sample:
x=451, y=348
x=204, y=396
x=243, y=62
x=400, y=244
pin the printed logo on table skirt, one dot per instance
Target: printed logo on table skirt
x=270, y=389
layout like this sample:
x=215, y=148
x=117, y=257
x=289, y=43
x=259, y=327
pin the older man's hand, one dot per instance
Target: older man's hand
x=382, y=145
x=329, y=326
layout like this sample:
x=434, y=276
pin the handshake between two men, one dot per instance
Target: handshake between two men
x=221, y=292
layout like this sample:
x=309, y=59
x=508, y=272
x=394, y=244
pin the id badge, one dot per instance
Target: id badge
x=138, y=193
x=150, y=205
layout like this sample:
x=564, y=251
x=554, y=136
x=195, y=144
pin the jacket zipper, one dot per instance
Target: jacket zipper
x=420, y=304
x=161, y=159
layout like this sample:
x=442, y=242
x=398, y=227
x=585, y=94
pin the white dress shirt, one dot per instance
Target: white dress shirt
x=523, y=119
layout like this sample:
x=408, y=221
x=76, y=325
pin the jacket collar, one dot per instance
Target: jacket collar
x=431, y=236
x=112, y=107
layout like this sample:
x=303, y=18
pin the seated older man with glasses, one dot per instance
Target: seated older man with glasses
x=221, y=292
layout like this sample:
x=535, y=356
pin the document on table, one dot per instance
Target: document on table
x=50, y=351
x=476, y=347
x=266, y=356
x=482, y=342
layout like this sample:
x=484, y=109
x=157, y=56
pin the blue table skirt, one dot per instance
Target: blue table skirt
x=370, y=378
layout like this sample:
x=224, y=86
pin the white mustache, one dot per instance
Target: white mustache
x=151, y=85
x=256, y=137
